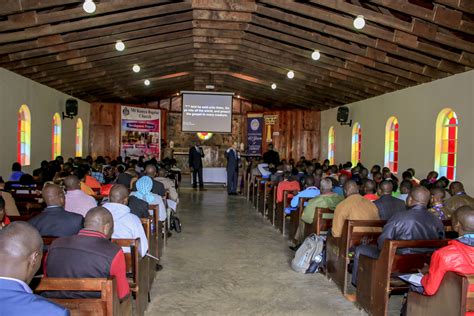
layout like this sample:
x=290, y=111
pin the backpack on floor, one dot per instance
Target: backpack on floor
x=175, y=223
x=310, y=255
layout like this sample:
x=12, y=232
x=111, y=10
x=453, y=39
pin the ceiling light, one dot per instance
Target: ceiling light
x=120, y=46
x=136, y=68
x=316, y=55
x=359, y=22
x=274, y=86
x=89, y=6
x=290, y=74
x=177, y=93
x=146, y=82
x=238, y=96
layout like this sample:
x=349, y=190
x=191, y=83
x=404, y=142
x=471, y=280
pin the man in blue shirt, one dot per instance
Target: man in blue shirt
x=310, y=191
x=21, y=250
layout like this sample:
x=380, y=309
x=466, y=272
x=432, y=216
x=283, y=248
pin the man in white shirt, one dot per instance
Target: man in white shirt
x=76, y=200
x=126, y=224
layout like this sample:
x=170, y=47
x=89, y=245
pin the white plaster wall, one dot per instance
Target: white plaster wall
x=43, y=102
x=417, y=109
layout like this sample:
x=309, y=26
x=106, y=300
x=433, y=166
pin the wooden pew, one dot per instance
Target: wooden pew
x=295, y=217
x=23, y=218
x=247, y=185
x=337, y=249
x=261, y=205
x=137, y=267
x=452, y=298
x=254, y=196
x=322, y=222
x=377, y=277
x=268, y=201
x=146, y=222
x=107, y=305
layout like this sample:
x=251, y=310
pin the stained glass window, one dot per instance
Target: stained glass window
x=331, y=145
x=356, y=143
x=446, y=143
x=79, y=131
x=56, y=139
x=24, y=136
x=391, y=144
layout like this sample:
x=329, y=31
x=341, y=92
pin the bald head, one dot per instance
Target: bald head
x=418, y=196
x=72, y=183
x=350, y=188
x=101, y=220
x=369, y=187
x=21, y=250
x=386, y=187
x=463, y=220
x=150, y=171
x=456, y=187
x=53, y=195
x=119, y=194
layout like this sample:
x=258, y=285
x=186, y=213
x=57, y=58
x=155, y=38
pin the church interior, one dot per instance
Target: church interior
x=237, y=157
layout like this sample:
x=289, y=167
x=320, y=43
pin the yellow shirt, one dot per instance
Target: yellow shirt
x=354, y=207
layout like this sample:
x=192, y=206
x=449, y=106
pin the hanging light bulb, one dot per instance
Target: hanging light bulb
x=316, y=55
x=146, y=82
x=89, y=6
x=120, y=46
x=274, y=86
x=136, y=68
x=359, y=22
x=290, y=74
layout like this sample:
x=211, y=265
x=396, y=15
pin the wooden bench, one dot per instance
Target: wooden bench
x=255, y=184
x=337, y=249
x=269, y=201
x=295, y=217
x=107, y=305
x=261, y=196
x=377, y=278
x=137, y=267
x=452, y=298
x=322, y=222
x=146, y=222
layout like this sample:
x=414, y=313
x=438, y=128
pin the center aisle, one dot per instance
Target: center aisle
x=228, y=260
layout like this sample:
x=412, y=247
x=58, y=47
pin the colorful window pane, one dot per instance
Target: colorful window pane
x=391, y=144
x=79, y=132
x=56, y=139
x=356, y=143
x=446, y=143
x=331, y=146
x=24, y=136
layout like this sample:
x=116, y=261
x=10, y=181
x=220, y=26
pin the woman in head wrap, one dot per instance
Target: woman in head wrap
x=143, y=193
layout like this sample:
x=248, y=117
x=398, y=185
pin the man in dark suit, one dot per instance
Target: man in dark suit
x=55, y=220
x=271, y=157
x=387, y=204
x=21, y=250
x=195, y=163
x=233, y=159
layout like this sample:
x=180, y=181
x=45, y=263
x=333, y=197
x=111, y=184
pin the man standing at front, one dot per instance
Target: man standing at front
x=233, y=159
x=195, y=163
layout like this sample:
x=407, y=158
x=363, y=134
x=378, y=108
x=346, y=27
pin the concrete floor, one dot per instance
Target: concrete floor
x=229, y=261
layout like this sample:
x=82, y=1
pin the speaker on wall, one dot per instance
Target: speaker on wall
x=343, y=115
x=71, y=108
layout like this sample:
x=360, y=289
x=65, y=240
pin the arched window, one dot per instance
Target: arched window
x=446, y=143
x=391, y=144
x=356, y=143
x=331, y=145
x=56, y=140
x=79, y=131
x=24, y=135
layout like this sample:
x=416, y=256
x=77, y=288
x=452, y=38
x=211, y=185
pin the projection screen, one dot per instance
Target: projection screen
x=206, y=112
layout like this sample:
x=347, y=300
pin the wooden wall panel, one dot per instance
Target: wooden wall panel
x=104, y=129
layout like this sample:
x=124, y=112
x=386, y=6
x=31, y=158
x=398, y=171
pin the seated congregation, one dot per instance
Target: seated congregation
x=367, y=230
x=85, y=236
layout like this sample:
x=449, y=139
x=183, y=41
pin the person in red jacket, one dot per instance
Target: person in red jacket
x=4, y=220
x=457, y=256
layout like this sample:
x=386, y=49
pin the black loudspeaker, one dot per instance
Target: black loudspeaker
x=343, y=115
x=71, y=108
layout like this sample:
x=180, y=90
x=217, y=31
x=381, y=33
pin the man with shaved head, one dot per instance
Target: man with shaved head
x=354, y=207
x=417, y=223
x=387, y=204
x=458, y=198
x=89, y=254
x=126, y=224
x=158, y=187
x=76, y=200
x=21, y=250
x=457, y=256
x=54, y=220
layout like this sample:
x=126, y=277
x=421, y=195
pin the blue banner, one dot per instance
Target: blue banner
x=254, y=134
